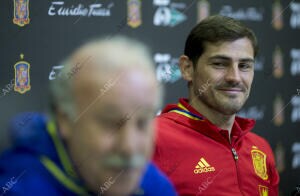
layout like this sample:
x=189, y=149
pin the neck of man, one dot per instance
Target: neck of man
x=219, y=119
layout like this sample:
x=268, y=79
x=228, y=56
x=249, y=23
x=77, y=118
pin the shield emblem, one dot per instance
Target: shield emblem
x=259, y=163
x=22, y=77
x=21, y=12
x=134, y=18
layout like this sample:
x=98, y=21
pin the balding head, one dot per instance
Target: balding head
x=98, y=60
x=109, y=90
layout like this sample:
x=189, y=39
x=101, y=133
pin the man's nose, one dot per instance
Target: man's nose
x=233, y=74
x=128, y=139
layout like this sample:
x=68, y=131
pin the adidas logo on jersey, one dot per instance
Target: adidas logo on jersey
x=203, y=167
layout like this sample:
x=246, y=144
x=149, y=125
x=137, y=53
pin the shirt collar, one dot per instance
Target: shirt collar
x=198, y=122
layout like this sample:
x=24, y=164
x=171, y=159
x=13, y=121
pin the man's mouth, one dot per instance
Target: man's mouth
x=118, y=163
x=231, y=91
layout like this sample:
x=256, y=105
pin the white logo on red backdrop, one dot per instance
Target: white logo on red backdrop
x=295, y=101
x=55, y=72
x=295, y=15
x=58, y=8
x=167, y=68
x=295, y=65
x=168, y=13
x=254, y=112
x=251, y=13
x=296, y=158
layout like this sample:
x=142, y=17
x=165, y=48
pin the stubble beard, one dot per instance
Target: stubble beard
x=223, y=104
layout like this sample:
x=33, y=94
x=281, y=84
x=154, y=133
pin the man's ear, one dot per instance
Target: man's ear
x=186, y=68
x=64, y=124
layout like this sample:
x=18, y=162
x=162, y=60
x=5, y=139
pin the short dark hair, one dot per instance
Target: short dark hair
x=214, y=29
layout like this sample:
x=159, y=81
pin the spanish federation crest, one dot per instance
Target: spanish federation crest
x=22, y=78
x=277, y=10
x=134, y=16
x=259, y=163
x=203, y=8
x=21, y=12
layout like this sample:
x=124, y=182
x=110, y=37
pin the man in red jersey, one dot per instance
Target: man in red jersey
x=203, y=147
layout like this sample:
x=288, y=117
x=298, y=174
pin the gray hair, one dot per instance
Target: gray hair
x=110, y=53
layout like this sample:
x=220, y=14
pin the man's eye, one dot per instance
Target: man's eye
x=108, y=123
x=142, y=124
x=245, y=66
x=218, y=64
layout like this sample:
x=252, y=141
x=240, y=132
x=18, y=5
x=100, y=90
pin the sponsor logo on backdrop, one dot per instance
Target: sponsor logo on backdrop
x=295, y=101
x=254, y=112
x=280, y=157
x=167, y=69
x=278, y=63
x=295, y=65
x=55, y=72
x=277, y=15
x=259, y=63
x=296, y=157
x=250, y=14
x=59, y=8
x=203, y=10
x=22, y=76
x=278, y=109
x=168, y=13
x=295, y=15
x=21, y=12
x=134, y=13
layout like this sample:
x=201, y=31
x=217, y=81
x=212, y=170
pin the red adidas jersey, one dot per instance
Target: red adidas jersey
x=199, y=159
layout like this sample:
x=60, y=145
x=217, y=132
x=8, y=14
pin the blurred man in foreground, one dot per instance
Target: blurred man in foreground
x=99, y=140
x=201, y=144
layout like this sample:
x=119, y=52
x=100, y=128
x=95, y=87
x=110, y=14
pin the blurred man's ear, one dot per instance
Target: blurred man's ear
x=186, y=68
x=64, y=124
